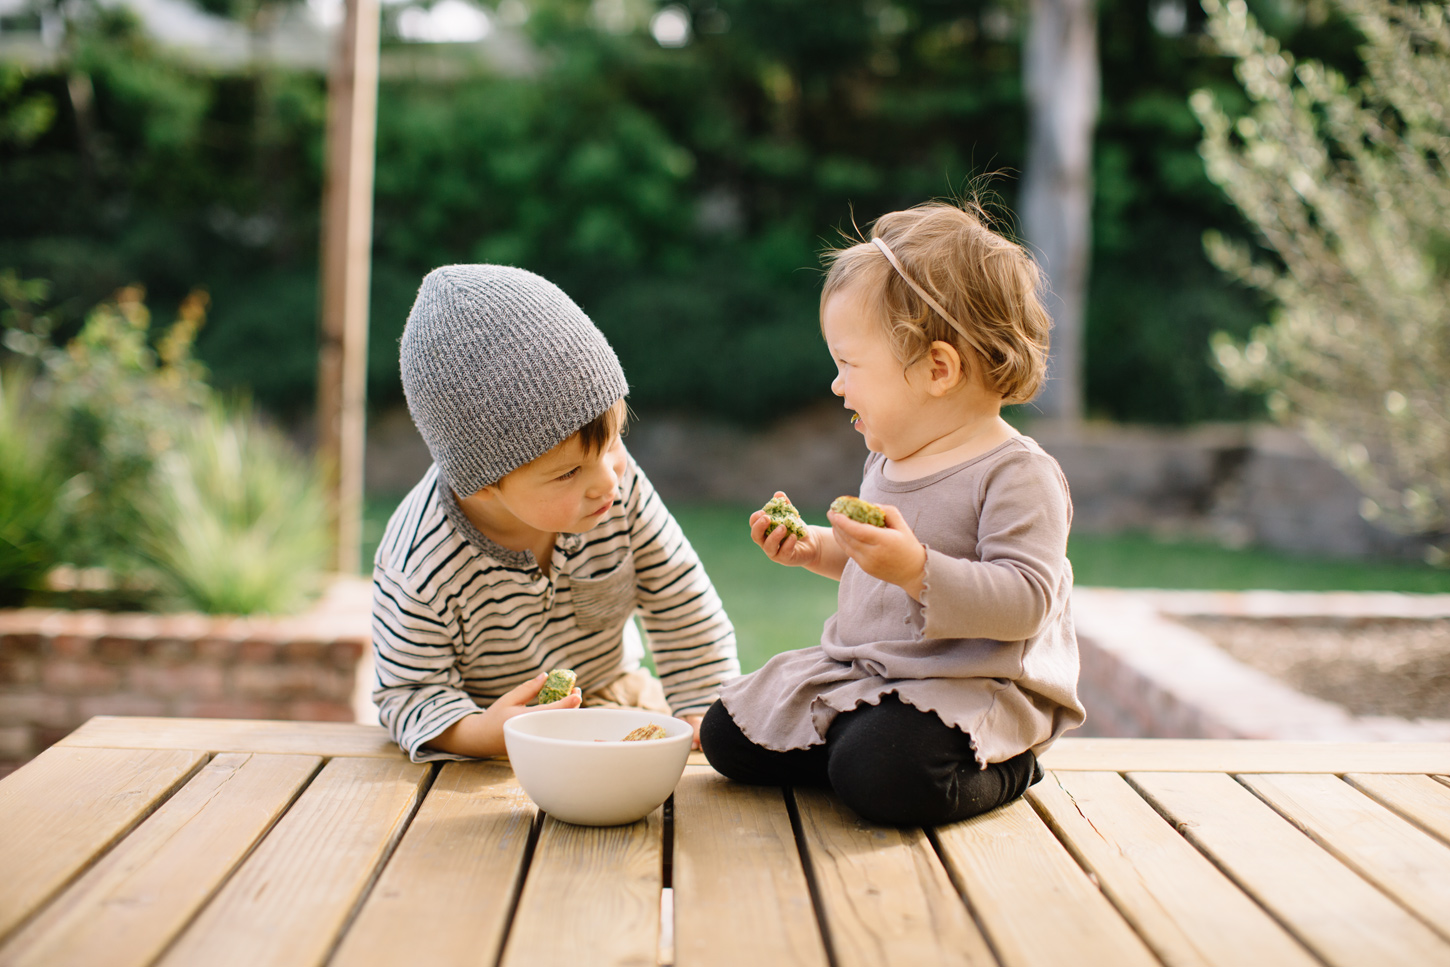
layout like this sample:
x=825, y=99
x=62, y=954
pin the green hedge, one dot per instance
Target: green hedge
x=681, y=196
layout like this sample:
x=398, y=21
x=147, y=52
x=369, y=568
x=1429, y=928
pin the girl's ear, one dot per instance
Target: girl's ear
x=947, y=369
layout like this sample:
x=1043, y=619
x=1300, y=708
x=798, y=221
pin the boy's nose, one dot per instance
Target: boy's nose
x=838, y=386
x=605, y=480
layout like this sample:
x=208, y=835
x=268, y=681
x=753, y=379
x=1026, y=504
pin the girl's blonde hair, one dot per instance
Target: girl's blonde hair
x=985, y=282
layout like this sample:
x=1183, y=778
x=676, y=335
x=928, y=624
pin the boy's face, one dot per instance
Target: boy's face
x=565, y=491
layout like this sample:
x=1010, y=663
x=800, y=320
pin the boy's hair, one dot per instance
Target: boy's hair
x=499, y=366
x=600, y=432
x=985, y=282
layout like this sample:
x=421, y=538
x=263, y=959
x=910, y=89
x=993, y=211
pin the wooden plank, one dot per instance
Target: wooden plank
x=134, y=901
x=1339, y=916
x=327, y=739
x=1188, y=912
x=740, y=892
x=884, y=896
x=457, y=869
x=66, y=807
x=1245, y=755
x=287, y=903
x=1035, y=903
x=1404, y=861
x=1418, y=798
x=592, y=897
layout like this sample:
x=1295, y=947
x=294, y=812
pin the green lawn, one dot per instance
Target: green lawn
x=775, y=608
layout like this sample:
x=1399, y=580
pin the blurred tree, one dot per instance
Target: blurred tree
x=1348, y=185
x=1061, y=64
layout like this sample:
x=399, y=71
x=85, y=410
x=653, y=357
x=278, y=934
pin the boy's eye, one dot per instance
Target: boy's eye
x=566, y=476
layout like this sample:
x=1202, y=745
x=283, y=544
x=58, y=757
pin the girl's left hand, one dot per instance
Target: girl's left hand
x=891, y=553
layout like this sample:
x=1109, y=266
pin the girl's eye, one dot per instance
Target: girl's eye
x=566, y=476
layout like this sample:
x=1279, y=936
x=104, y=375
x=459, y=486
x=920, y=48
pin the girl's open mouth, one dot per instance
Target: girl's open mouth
x=855, y=418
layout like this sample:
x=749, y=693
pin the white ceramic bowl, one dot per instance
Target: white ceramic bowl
x=573, y=776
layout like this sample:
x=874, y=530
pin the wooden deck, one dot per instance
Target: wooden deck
x=266, y=844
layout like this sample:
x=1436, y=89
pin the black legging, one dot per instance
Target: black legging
x=892, y=763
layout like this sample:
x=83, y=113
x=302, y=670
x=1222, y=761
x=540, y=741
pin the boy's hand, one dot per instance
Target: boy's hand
x=891, y=553
x=481, y=735
x=783, y=547
x=694, y=721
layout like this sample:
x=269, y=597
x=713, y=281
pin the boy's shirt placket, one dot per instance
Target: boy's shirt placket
x=558, y=564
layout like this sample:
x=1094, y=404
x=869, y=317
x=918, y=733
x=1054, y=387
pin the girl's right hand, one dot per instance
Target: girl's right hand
x=783, y=547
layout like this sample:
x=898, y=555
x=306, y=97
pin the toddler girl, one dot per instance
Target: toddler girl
x=951, y=662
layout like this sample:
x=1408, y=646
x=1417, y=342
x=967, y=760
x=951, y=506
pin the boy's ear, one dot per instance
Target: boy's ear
x=947, y=368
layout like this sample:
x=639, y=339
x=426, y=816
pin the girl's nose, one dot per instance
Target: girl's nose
x=838, y=385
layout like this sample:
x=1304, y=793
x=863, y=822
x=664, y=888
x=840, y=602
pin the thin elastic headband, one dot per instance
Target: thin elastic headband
x=896, y=264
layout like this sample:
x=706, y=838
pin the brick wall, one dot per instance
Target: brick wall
x=60, y=668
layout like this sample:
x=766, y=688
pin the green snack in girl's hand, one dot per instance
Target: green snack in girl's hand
x=859, y=510
x=780, y=511
x=558, y=685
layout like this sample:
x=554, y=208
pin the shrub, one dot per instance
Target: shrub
x=29, y=484
x=1348, y=187
x=118, y=455
x=116, y=404
x=235, y=522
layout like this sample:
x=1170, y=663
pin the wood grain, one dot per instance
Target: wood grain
x=884, y=896
x=592, y=897
x=1338, y=915
x=128, y=907
x=1036, y=904
x=287, y=903
x=1244, y=755
x=1189, y=913
x=1418, y=798
x=740, y=892
x=327, y=739
x=64, y=808
x=1406, y=862
x=457, y=869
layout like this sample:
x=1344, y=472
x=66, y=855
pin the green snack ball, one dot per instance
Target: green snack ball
x=780, y=511
x=558, y=685
x=859, y=510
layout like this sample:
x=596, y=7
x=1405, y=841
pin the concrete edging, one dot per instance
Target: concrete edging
x=1143, y=674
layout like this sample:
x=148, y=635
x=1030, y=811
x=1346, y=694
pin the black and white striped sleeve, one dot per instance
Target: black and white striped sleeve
x=419, y=689
x=690, y=636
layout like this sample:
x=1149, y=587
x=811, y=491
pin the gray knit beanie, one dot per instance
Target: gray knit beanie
x=499, y=367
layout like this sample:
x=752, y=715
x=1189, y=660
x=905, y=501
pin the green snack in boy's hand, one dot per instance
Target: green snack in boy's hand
x=780, y=511
x=558, y=685
x=859, y=510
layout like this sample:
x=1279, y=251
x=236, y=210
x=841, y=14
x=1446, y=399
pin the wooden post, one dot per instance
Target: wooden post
x=347, y=227
x=1060, y=68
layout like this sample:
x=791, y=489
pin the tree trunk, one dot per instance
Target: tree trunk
x=1060, y=71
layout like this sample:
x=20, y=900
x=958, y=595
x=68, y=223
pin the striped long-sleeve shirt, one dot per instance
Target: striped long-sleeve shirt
x=458, y=620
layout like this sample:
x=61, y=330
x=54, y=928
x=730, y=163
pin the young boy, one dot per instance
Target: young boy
x=534, y=538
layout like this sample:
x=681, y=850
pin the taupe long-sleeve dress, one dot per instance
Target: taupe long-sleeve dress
x=990, y=648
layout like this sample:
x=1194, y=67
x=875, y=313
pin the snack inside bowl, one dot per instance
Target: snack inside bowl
x=576, y=767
